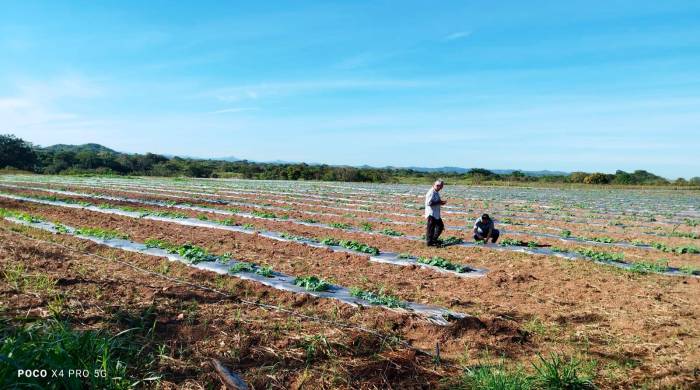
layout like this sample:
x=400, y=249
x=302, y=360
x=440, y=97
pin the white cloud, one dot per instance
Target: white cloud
x=234, y=110
x=287, y=88
x=457, y=35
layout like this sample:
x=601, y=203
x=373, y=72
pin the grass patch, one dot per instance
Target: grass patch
x=119, y=360
x=553, y=372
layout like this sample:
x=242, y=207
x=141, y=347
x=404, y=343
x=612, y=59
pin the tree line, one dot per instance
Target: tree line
x=96, y=159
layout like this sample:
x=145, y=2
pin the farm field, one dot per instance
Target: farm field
x=330, y=285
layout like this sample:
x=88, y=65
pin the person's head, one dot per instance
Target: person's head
x=438, y=185
x=485, y=218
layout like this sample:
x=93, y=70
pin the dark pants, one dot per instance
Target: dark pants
x=494, y=236
x=433, y=230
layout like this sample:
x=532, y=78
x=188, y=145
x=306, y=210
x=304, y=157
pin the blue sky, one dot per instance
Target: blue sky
x=593, y=86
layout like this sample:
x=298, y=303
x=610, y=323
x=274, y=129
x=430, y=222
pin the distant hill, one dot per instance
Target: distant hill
x=95, y=148
x=459, y=170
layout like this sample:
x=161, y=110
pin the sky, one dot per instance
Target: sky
x=532, y=85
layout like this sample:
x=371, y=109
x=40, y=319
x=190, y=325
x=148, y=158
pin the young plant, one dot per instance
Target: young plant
x=391, y=232
x=312, y=283
x=104, y=234
x=240, y=266
x=339, y=225
x=377, y=298
x=602, y=256
x=444, y=264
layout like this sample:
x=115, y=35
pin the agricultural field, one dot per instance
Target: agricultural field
x=330, y=285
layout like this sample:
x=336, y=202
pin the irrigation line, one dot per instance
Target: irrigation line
x=234, y=298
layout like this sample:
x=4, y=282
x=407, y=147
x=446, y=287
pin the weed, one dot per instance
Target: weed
x=366, y=226
x=112, y=361
x=309, y=220
x=557, y=373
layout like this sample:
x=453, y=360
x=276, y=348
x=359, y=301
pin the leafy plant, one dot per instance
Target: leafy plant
x=606, y=240
x=391, y=232
x=451, y=240
x=351, y=244
x=645, y=267
x=240, y=266
x=444, y=264
x=565, y=233
x=192, y=253
x=558, y=249
x=377, y=298
x=340, y=225
x=265, y=271
x=366, y=226
x=104, y=234
x=601, y=256
x=264, y=214
x=312, y=283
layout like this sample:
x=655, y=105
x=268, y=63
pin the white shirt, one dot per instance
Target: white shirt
x=432, y=197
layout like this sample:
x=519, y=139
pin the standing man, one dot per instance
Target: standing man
x=484, y=229
x=432, y=213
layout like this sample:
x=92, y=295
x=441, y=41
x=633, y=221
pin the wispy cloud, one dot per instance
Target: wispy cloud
x=457, y=35
x=234, y=110
x=287, y=88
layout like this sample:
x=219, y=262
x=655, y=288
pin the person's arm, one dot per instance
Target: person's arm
x=488, y=234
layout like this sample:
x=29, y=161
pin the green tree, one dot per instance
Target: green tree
x=16, y=153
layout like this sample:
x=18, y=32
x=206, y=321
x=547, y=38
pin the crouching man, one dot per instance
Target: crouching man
x=432, y=212
x=484, y=229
